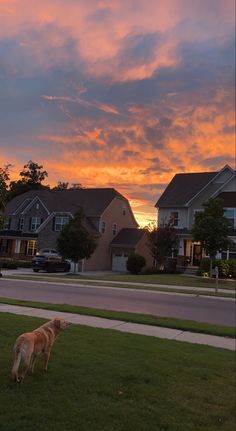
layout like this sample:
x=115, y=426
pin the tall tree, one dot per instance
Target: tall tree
x=161, y=241
x=211, y=228
x=74, y=241
x=4, y=179
x=31, y=179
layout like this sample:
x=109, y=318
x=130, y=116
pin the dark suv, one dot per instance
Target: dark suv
x=50, y=264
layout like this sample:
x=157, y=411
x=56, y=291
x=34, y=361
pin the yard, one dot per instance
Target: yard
x=103, y=380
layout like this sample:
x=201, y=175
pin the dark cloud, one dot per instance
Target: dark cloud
x=139, y=49
x=218, y=162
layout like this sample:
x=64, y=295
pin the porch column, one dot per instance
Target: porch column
x=17, y=246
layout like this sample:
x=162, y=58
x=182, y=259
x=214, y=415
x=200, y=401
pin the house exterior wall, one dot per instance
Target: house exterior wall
x=101, y=259
x=164, y=215
x=143, y=249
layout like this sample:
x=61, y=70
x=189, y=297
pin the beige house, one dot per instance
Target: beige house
x=35, y=219
x=185, y=195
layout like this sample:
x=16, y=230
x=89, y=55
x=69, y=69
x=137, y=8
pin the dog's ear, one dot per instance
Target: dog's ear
x=57, y=323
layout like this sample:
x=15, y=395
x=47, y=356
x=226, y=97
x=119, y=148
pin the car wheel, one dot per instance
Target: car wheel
x=36, y=270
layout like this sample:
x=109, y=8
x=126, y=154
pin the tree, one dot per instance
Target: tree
x=4, y=178
x=61, y=185
x=211, y=228
x=161, y=241
x=135, y=263
x=32, y=178
x=74, y=241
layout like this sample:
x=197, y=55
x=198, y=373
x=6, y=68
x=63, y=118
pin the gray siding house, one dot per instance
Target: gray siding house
x=185, y=195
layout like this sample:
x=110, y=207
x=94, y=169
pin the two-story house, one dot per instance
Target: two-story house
x=34, y=221
x=185, y=195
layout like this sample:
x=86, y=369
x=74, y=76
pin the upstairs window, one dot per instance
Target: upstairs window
x=21, y=224
x=103, y=227
x=124, y=211
x=60, y=222
x=174, y=218
x=229, y=214
x=114, y=229
x=7, y=224
x=35, y=223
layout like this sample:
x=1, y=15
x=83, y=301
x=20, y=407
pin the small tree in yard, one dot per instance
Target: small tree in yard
x=74, y=241
x=135, y=263
x=211, y=228
x=162, y=240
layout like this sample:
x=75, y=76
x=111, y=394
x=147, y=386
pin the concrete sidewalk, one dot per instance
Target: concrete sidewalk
x=117, y=325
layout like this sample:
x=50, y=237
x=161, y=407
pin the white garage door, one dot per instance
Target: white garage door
x=119, y=262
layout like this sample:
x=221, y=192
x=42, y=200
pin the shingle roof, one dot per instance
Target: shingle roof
x=93, y=201
x=183, y=187
x=128, y=237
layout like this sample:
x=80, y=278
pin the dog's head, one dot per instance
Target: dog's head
x=60, y=323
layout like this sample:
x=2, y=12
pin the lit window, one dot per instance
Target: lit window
x=31, y=248
x=35, y=223
x=174, y=218
x=114, y=229
x=60, y=222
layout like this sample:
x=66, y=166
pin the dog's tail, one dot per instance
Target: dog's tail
x=16, y=364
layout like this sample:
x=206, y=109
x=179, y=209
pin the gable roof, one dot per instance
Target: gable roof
x=93, y=201
x=183, y=188
x=128, y=237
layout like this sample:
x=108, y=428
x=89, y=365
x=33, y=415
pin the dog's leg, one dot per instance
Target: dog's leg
x=15, y=367
x=32, y=362
x=46, y=359
x=25, y=368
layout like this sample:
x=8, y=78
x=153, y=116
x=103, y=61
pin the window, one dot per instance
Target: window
x=31, y=248
x=174, y=218
x=103, y=227
x=60, y=222
x=229, y=214
x=7, y=224
x=35, y=223
x=21, y=224
x=124, y=211
x=114, y=229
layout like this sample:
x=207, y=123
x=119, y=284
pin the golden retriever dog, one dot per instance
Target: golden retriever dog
x=31, y=344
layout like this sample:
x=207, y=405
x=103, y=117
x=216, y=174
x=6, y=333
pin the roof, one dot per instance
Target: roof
x=128, y=237
x=93, y=201
x=183, y=187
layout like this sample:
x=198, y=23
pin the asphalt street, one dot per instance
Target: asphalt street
x=191, y=307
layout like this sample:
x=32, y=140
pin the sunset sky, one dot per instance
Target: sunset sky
x=117, y=93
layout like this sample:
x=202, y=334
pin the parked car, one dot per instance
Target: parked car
x=47, y=252
x=50, y=264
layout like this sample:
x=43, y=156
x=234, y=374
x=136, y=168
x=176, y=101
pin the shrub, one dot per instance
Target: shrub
x=232, y=268
x=8, y=265
x=205, y=264
x=170, y=266
x=227, y=268
x=135, y=263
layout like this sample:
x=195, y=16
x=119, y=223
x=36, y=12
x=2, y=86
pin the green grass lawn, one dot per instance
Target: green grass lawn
x=165, y=279
x=101, y=380
x=172, y=279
